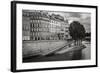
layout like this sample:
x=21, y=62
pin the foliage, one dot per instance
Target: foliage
x=77, y=30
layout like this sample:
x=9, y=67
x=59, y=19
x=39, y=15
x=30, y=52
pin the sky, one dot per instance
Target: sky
x=83, y=18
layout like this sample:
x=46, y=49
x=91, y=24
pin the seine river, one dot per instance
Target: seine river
x=86, y=53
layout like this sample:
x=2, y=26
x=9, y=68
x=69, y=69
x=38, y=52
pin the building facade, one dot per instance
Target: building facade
x=39, y=25
x=25, y=26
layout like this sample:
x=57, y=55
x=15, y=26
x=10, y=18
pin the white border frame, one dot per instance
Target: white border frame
x=37, y=65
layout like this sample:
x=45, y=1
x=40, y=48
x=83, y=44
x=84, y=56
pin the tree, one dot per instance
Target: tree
x=77, y=32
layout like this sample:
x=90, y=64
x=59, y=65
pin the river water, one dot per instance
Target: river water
x=86, y=52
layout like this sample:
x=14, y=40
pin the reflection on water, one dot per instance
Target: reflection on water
x=86, y=53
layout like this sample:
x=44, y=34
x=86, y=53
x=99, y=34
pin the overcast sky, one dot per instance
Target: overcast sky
x=83, y=18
